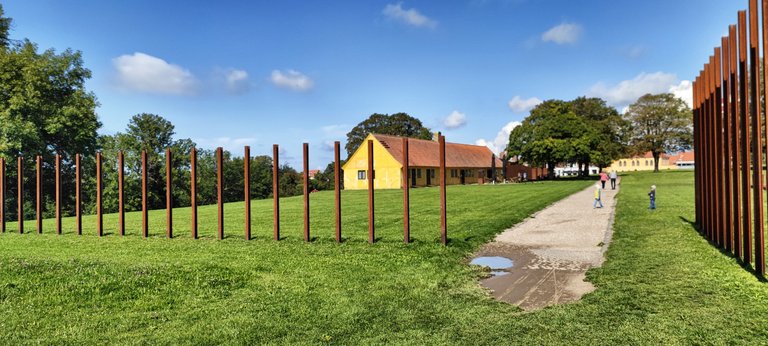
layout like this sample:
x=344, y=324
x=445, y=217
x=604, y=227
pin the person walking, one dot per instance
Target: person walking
x=598, y=200
x=613, y=179
x=652, y=196
x=603, y=178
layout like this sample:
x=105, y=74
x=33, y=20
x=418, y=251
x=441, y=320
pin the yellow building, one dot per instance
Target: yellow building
x=465, y=164
x=641, y=163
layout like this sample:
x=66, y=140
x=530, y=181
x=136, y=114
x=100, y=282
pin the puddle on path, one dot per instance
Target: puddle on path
x=496, y=263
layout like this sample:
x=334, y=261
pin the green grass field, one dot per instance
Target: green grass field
x=662, y=283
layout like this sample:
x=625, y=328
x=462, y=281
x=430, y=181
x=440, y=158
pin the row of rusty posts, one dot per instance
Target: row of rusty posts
x=728, y=137
x=219, y=193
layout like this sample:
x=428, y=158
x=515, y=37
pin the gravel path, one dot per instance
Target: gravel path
x=552, y=250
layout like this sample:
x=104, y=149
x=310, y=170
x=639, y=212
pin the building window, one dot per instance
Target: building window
x=418, y=173
x=431, y=173
x=453, y=173
x=361, y=175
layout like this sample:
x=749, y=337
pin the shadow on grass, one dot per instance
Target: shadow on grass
x=725, y=252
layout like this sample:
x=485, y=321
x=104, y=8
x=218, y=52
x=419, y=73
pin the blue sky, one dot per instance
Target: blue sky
x=234, y=73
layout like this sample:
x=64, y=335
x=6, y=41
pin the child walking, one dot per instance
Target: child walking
x=652, y=195
x=598, y=192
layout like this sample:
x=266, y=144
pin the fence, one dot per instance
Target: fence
x=729, y=139
x=219, y=192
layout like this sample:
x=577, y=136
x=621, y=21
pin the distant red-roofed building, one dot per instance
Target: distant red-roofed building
x=313, y=172
x=465, y=163
x=681, y=160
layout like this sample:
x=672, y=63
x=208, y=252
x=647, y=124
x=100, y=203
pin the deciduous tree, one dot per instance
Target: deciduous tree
x=398, y=124
x=660, y=123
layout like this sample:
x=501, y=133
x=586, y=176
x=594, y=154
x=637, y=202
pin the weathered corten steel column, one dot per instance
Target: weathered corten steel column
x=760, y=236
x=707, y=212
x=708, y=149
x=757, y=139
x=276, y=192
x=193, y=189
x=121, y=193
x=20, y=198
x=168, y=194
x=57, y=183
x=220, y=190
x=337, y=187
x=99, y=194
x=728, y=198
x=247, y=190
x=306, y=191
x=78, y=194
x=406, y=194
x=371, y=227
x=696, y=134
x=735, y=141
x=39, y=193
x=2, y=195
x=443, y=198
x=745, y=148
x=720, y=208
x=144, y=214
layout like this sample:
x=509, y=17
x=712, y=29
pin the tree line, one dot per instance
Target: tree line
x=587, y=131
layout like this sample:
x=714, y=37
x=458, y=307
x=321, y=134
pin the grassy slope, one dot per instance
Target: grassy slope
x=662, y=284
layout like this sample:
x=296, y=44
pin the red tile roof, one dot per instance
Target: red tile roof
x=685, y=156
x=423, y=153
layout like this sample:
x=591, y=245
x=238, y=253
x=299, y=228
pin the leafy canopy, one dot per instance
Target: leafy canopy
x=398, y=124
x=660, y=123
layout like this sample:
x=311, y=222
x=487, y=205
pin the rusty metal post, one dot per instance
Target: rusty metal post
x=99, y=200
x=697, y=146
x=57, y=165
x=144, y=213
x=120, y=193
x=708, y=146
x=275, y=192
x=220, y=190
x=337, y=187
x=728, y=198
x=443, y=197
x=78, y=194
x=757, y=142
x=760, y=236
x=39, y=193
x=247, y=190
x=745, y=148
x=718, y=126
x=20, y=198
x=735, y=140
x=168, y=194
x=2, y=194
x=306, y=191
x=371, y=227
x=406, y=194
x=193, y=189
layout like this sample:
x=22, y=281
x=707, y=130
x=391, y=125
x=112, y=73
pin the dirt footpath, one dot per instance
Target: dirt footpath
x=552, y=251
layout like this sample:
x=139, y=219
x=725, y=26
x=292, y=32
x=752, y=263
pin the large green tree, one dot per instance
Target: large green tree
x=660, y=123
x=398, y=124
x=44, y=110
x=551, y=134
x=606, y=140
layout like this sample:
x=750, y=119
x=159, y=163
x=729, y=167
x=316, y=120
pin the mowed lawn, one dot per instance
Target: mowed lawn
x=662, y=283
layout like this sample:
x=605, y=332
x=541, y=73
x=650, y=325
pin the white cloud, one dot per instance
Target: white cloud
x=633, y=52
x=455, y=120
x=518, y=104
x=684, y=91
x=502, y=138
x=410, y=16
x=291, y=79
x=237, y=81
x=628, y=91
x=146, y=73
x=566, y=33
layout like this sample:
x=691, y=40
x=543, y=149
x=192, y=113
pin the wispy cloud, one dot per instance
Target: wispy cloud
x=684, y=91
x=410, y=16
x=565, y=33
x=499, y=144
x=455, y=120
x=236, y=81
x=292, y=79
x=518, y=104
x=146, y=73
x=628, y=91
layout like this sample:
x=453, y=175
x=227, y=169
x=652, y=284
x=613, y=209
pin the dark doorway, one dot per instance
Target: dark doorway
x=413, y=177
x=429, y=177
x=462, y=178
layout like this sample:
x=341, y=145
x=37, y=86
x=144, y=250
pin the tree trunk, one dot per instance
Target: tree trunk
x=655, y=162
x=551, y=170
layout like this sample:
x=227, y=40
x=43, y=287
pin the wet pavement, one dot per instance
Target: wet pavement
x=551, y=252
